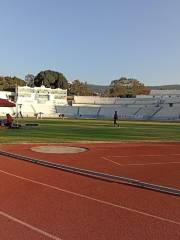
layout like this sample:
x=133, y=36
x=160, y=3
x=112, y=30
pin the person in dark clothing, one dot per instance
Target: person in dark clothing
x=115, y=119
x=9, y=120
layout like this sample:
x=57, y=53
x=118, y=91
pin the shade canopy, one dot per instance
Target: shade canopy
x=6, y=103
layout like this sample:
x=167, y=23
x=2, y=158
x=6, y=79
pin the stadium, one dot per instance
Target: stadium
x=89, y=120
x=82, y=171
x=158, y=105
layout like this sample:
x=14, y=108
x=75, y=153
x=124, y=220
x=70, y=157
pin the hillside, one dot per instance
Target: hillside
x=101, y=88
x=98, y=88
x=165, y=87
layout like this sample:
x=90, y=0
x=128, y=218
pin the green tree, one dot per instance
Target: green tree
x=29, y=79
x=51, y=79
x=126, y=87
x=79, y=88
x=9, y=83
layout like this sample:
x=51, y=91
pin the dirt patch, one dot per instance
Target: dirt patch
x=58, y=149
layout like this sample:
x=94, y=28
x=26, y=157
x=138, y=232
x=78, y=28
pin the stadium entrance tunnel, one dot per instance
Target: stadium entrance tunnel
x=58, y=149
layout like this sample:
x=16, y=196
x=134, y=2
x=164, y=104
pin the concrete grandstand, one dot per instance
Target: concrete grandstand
x=158, y=105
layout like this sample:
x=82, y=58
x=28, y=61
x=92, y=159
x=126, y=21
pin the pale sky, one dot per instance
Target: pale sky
x=92, y=40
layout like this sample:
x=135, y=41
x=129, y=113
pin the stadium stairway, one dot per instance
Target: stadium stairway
x=158, y=110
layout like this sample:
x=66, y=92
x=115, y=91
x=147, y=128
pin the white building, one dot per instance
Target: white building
x=32, y=101
x=7, y=95
x=165, y=93
x=41, y=95
x=10, y=96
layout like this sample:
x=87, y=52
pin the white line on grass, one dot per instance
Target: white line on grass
x=29, y=226
x=94, y=199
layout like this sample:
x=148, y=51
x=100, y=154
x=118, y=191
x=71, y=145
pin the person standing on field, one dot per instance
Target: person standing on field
x=116, y=119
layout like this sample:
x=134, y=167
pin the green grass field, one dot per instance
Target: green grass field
x=58, y=131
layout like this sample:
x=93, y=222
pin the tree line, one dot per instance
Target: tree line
x=10, y=83
x=122, y=87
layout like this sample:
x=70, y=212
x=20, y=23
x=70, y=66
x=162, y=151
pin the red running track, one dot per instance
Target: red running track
x=43, y=203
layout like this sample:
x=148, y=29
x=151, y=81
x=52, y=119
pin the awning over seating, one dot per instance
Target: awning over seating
x=6, y=103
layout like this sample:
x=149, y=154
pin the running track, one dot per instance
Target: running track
x=43, y=203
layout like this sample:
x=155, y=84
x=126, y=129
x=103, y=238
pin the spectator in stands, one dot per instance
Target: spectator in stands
x=9, y=120
x=115, y=119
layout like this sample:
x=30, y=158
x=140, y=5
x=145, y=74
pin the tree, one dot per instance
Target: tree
x=29, y=79
x=79, y=88
x=126, y=87
x=9, y=83
x=51, y=79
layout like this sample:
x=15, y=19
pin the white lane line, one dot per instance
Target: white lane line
x=107, y=159
x=138, y=164
x=146, y=155
x=94, y=199
x=29, y=226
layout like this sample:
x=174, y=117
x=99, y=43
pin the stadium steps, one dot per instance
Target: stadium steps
x=138, y=111
x=88, y=112
x=34, y=110
x=158, y=110
x=98, y=112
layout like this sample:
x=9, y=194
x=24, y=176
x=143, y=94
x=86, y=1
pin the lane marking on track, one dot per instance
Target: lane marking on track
x=29, y=226
x=146, y=155
x=94, y=199
x=138, y=164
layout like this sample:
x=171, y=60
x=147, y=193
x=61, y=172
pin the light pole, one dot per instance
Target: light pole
x=18, y=112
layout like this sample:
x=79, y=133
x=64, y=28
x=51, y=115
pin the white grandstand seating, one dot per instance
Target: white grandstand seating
x=123, y=101
x=167, y=112
x=147, y=111
x=68, y=111
x=89, y=112
x=96, y=100
x=27, y=110
x=108, y=112
x=128, y=110
x=153, y=107
x=172, y=92
x=123, y=111
x=79, y=100
x=160, y=104
x=172, y=100
x=147, y=101
x=104, y=101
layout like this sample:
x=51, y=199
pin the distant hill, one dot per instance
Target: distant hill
x=101, y=88
x=165, y=87
x=98, y=88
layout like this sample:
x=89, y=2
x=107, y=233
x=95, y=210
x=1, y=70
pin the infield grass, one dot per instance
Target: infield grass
x=58, y=131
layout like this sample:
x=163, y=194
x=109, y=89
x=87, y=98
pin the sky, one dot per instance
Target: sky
x=96, y=41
